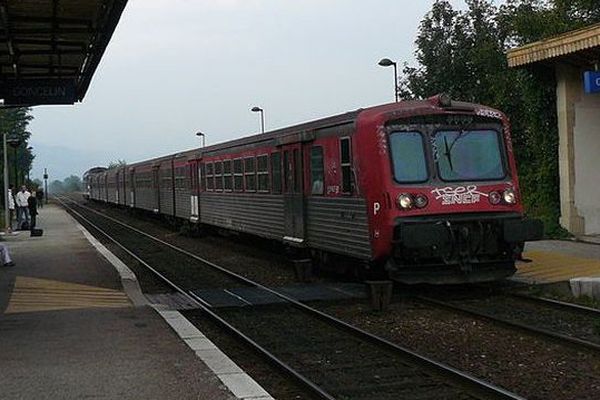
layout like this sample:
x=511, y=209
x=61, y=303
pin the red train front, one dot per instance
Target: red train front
x=442, y=191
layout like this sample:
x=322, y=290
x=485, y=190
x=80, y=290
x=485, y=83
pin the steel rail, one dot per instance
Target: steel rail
x=462, y=379
x=558, y=304
x=558, y=337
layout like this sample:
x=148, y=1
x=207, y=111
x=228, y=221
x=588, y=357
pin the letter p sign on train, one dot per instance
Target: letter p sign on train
x=592, y=81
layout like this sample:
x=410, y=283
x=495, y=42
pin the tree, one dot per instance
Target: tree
x=72, y=184
x=14, y=123
x=56, y=186
x=117, y=164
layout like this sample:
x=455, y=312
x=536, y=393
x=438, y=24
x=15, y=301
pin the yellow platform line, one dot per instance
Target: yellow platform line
x=549, y=266
x=34, y=294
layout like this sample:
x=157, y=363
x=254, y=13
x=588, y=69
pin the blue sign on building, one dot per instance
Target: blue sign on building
x=592, y=81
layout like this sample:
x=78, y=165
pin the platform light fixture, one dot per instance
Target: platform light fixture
x=386, y=62
x=262, y=117
x=201, y=134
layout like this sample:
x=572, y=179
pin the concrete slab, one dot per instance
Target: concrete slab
x=218, y=362
x=243, y=386
x=585, y=287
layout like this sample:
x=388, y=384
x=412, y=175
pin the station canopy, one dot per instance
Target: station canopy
x=578, y=48
x=50, y=49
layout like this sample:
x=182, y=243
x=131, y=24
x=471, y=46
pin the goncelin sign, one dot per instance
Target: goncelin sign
x=38, y=92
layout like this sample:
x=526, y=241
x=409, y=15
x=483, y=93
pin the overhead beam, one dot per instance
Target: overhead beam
x=48, y=42
x=72, y=75
x=50, y=20
x=44, y=66
x=50, y=31
x=45, y=52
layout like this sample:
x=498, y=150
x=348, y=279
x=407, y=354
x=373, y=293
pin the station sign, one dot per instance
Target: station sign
x=30, y=92
x=592, y=81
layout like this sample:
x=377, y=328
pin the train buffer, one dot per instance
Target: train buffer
x=69, y=330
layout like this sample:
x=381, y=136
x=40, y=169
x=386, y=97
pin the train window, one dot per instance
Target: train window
x=250, y=174
x=262, y=170
x=202, y=173
x=227, y=176
x=317, y=172
x=346, y=165
x=210, y=177
x=408, y=157
x=288, y=172
x=238, y=175
x=219, y=176
x=297, y=171
x=276, y=172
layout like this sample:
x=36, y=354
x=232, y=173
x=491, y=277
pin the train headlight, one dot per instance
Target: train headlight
x=405, y=201
x=495, y=198
x=421, y=201
x=509, y=196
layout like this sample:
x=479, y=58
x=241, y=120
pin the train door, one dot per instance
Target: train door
x=195, y=190
x=117, y=186
x=156, y=187
x=293, y=193
x=123, y=188
x=132, y=187
x=106, y=189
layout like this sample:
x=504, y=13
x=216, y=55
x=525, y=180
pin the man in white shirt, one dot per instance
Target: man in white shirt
x=22, y=206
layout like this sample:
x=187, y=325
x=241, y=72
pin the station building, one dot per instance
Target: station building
x=575, y=57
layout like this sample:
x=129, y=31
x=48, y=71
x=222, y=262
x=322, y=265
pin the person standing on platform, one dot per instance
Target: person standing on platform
x=5, y=256
x=32, y=205
x=22, y=206
x=11, y=207
x=40, y=197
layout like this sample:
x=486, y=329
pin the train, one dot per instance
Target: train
x=422, y=191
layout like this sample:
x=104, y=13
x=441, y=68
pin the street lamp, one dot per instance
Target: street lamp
x=386, y=62
x=262, y=117
x=203, y=138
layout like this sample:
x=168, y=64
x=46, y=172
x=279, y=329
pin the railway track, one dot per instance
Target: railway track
x=561, y=322
x=329, y=357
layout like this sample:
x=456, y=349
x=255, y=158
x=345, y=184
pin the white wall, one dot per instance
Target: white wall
x=587, y=161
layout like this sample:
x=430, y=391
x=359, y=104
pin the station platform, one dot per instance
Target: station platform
x=68, y=330
x=559, y=260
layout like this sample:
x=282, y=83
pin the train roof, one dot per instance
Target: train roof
x=390, y=110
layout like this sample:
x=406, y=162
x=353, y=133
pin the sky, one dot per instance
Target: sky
x=176, y=67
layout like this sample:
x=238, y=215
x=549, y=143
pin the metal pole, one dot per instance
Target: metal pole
x=396, y=88
x=46, y=184
x=262, y=120
x=203, y=140
x=6, y=210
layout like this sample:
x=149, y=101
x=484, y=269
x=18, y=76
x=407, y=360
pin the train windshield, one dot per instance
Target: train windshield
x=408, y=157
x=468, y=155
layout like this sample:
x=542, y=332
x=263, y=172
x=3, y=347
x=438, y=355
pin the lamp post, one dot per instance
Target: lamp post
x=386, y=62
x=203, y=138
x=46, y=184
x=262, y=117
